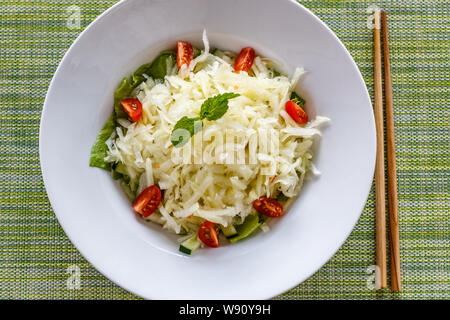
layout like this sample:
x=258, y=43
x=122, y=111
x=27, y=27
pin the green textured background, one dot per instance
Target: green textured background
x=35, y=253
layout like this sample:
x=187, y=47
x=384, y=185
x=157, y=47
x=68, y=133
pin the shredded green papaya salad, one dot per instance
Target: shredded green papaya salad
x=209, y=144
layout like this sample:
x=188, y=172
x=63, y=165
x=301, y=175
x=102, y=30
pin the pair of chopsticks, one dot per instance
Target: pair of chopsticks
x=379, y=169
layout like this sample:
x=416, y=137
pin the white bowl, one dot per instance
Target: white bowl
x=144, y=259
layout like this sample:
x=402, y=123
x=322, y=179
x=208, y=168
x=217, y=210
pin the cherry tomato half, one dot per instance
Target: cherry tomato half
x=296, y=112
x=244, y=60
x=148, y=201
x=133, y=108
x=209, y=234
x=268, y=207
x=185, y=53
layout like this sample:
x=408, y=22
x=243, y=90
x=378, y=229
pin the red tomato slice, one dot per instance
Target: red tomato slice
x=185, y=53
x=133, y=108
x=209, y=234
x=148, y=201
x=296, y=112
x=268, y=207
x=244, y=60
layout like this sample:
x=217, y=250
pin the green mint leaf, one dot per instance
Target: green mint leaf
x=184, y=129
x=297, y=99
x=215, y=107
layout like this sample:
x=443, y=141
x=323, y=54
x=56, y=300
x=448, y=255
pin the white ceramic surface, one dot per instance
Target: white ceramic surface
x=144, y=259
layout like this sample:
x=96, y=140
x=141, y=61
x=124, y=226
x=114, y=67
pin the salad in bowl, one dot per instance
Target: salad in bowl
x=210, y=144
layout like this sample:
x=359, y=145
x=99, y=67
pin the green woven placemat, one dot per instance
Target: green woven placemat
x=36, y=257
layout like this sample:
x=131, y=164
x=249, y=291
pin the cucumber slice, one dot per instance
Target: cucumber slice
x=251, y=223
x=120, y=172
x=120, y=168
x=156, y=217
x=218, y=53
x=130, y=194
x=190, y=245
x=229, y=231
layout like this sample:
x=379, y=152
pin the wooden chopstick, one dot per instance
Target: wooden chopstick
x=394, y=239
x=380, y=216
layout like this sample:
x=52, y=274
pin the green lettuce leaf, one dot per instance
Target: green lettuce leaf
x=138, y=76
x=99, y=149
x=250, y=225
x=163, y=63
x=156, y=69
x=197, y=52
x=121, y=93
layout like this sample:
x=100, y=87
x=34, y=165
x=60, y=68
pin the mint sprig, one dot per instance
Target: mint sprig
x=184, y=129
x=215, y=107
x=212, y=109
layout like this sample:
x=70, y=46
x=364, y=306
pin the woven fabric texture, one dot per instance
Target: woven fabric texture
x=37, y=258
